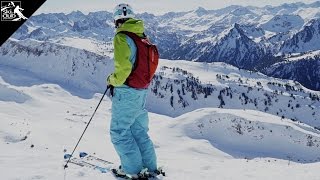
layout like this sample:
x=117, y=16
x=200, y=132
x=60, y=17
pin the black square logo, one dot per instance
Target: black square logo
x=11, y=11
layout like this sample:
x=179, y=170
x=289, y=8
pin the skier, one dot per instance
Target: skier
x=129, y=122
x=17, y=10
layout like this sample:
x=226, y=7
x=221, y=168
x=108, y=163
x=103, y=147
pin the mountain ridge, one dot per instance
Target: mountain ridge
x=266, y=34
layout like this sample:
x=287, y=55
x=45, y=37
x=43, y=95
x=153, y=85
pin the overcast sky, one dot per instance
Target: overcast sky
x=152, y=6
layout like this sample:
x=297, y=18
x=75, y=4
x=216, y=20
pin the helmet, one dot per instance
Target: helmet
x=122, y=11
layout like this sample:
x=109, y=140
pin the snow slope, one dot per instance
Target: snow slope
x=52, y=120
x=9, y=94
x=253, y=134
x=184, y=86
x=80, y=71
x=178, y=87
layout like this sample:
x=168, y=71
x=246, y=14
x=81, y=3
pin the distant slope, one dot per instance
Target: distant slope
x=250, y=134
x=182, y=86
x=12, y=95
x=178, y=87
x=302, y=68
x=80, y=71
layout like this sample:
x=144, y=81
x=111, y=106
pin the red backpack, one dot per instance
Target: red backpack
x=146, y=63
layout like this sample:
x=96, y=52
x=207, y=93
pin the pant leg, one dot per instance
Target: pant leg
x=139, y=131
x=124, y=113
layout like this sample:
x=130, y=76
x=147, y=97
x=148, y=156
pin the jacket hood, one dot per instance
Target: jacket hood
x=132, y=25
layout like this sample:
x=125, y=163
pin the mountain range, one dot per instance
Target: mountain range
x=215, y=112
x=263, y=39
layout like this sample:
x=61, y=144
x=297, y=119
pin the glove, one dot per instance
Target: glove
x=107, y=81
x=110, y=92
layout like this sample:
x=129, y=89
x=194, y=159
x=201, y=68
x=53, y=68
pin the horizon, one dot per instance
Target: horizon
x=49, y=7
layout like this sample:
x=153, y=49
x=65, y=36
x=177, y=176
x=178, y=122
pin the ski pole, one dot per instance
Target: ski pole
x=66, y=166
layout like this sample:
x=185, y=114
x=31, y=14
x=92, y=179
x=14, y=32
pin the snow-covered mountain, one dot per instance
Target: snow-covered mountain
x=175, y=90
x=304, y=67
x=283, y=23
x=206, y=118
x=231, y=46
x=41, y=120
x=305, y=40
x=183, y=88
x=252, y=38
x=80, y=71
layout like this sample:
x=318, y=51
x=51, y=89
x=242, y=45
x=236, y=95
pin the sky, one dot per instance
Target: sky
x=151, y=6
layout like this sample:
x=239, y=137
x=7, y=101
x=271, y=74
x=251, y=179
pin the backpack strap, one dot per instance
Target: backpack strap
x=135, y=39
x=133, y=35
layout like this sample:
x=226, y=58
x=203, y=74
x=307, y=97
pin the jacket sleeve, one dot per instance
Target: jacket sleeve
x=122, y=62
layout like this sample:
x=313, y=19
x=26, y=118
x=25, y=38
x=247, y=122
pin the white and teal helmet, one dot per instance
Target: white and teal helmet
x=123, y=11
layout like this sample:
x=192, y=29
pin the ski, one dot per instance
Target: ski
x=90, y=161
x=104, y=166
x=87, y=157
x=82, y=163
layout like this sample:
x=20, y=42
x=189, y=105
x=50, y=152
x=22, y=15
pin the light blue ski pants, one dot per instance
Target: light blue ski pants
x=129, y=130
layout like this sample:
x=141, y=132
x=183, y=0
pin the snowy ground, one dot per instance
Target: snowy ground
x=98, y=47
x=203, y=144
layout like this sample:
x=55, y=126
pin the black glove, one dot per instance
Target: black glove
x=110, y=92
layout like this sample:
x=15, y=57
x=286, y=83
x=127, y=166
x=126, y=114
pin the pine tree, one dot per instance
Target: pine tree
x=182, y=88
x=171, y=101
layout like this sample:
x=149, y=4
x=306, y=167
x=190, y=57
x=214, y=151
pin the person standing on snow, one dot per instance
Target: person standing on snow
x=128, y=87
